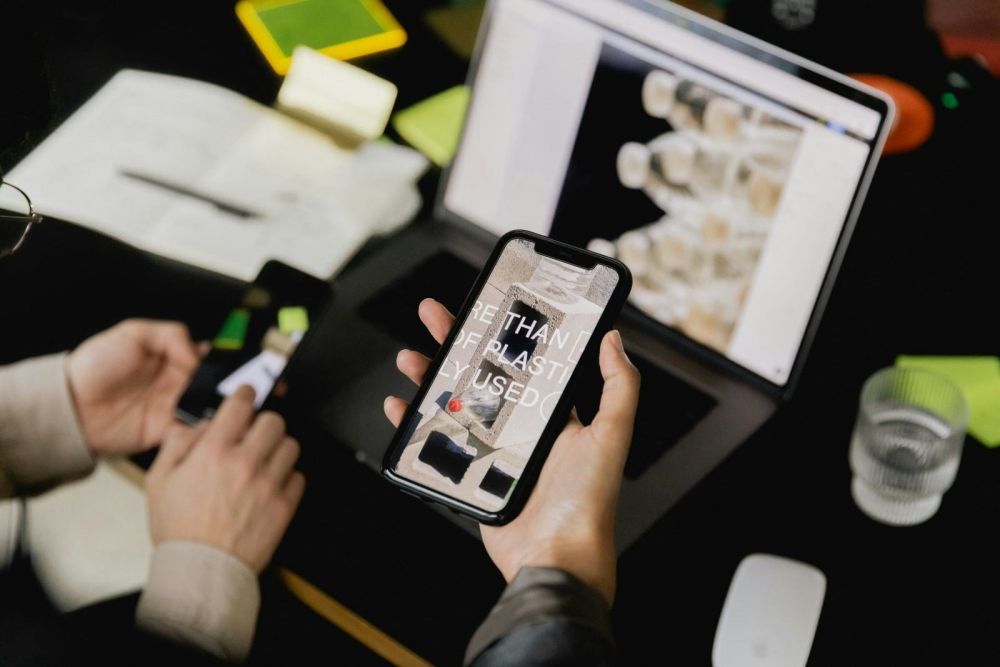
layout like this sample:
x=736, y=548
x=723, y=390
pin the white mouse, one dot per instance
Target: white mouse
x=770, y=615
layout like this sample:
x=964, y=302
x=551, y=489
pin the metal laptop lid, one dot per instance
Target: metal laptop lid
x=726, y=173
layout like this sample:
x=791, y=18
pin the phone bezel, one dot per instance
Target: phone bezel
x=272, y=272
x=526, y=483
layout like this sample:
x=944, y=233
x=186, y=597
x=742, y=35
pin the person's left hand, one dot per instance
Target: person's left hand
x=126, y=382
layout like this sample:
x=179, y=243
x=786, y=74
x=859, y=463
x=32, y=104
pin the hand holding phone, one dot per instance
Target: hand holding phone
x=499, y=392
x=568, y=522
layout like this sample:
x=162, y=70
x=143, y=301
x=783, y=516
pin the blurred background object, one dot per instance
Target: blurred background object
x=914, y=121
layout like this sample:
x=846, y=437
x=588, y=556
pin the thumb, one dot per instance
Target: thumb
x=613, y=423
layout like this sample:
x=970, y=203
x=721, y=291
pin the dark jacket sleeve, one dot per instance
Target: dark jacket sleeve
x=545, y=617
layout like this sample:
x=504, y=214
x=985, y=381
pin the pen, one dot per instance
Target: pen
x=225, y=207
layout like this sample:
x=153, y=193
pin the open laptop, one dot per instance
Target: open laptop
x=726, y=173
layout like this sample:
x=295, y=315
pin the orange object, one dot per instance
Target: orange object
x=914, y=120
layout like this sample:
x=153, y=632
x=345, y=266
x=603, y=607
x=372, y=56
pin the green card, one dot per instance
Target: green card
x=434, y=125
x=293, y=319
x=234, y=330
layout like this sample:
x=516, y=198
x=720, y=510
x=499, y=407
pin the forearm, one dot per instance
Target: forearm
x=41, y=443
x=200, y=596
x=548, y=616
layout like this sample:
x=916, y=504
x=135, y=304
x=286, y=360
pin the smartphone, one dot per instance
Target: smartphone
x=499, y=391
x=257, y=340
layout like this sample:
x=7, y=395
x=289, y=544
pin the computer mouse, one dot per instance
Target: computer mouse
x=770, y=614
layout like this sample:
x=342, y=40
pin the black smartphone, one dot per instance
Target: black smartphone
x=257, y=339
x=499, y=391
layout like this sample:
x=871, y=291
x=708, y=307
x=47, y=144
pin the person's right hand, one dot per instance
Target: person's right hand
x=568, y=522
x=229, y=483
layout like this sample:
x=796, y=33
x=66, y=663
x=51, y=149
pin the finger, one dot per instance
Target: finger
x=264, y=436
x=395, y=409
x=203, y=348
x=616, y=415
x=169, y=339
x=294, y=489
x=413, y=365
x=232, y=419
x=282, y=462
x=178, y=442
x=436, y=318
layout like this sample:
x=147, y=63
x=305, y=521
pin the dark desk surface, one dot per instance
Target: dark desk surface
x=917, y=279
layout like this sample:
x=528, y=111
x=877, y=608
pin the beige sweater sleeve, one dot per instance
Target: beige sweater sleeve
x=196, y=594
x=41, y=443
x=201, y=596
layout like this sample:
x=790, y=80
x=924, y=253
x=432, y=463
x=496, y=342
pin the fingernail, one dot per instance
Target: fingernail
x=617, y=338
x=247, y=391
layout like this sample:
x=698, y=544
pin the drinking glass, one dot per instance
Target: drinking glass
x=907, y=444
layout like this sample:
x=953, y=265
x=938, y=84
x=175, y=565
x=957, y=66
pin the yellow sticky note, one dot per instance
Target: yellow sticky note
x=434, y=126
x=335, y=96
x=293, y=319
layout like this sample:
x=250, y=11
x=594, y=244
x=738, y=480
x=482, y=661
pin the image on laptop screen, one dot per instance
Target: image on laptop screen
x=722, y=181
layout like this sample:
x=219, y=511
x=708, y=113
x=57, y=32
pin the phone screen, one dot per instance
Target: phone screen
x=256, y=340
x=518, y=346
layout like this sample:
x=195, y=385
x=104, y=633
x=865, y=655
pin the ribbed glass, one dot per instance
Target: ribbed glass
x=907, y=444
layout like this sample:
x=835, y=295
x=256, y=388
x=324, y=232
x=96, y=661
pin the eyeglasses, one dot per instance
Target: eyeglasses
x=16, y=217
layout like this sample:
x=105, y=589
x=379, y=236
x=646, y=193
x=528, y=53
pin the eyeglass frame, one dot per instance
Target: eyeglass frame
x=31, y=219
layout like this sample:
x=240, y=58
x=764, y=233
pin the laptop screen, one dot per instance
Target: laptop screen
x=722, y=173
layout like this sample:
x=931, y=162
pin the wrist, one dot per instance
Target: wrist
x=593, y=562
x=200, y=595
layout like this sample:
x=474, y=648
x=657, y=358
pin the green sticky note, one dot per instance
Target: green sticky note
x=234, y=330
x=293, y=319
x=963, y=371
x=979, y=379
x=434, y=125
x=984, y=412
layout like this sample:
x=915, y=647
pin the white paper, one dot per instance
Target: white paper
x=314, y=202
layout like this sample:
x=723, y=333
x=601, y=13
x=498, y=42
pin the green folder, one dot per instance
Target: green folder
x=341, y=29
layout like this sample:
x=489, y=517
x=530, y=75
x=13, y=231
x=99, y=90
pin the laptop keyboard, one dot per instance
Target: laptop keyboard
x=668, y=407
x=443, y=277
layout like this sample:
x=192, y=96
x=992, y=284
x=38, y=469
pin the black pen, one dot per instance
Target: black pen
x=187, y=192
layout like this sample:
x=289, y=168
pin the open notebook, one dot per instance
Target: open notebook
x=195, y=172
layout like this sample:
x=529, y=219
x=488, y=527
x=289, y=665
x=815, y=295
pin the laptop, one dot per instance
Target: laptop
x=727, y=174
